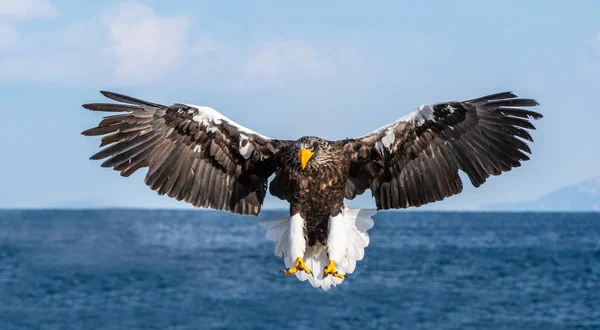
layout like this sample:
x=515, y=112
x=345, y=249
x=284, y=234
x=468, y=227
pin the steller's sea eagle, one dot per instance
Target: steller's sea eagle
x=196, y=154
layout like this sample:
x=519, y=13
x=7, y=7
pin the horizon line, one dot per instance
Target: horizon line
x=126, y=208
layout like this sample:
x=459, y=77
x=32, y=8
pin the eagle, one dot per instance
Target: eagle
x=198, y=155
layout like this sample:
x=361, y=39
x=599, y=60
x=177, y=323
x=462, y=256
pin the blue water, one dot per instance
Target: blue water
x=141, y=269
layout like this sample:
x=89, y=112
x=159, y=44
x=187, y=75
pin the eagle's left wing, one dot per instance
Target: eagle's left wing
x=415, y=160
x=193, y=153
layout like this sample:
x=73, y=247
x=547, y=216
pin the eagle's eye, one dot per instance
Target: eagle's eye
x=314, y=147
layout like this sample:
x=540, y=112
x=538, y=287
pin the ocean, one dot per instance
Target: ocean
x=157, y=269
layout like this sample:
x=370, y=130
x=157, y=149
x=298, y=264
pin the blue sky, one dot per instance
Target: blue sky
x=334, y=70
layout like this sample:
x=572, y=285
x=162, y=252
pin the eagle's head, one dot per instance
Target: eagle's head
x=309, y=148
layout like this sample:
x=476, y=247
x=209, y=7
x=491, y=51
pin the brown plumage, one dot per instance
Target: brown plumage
x=316, y=192
x=195, y=154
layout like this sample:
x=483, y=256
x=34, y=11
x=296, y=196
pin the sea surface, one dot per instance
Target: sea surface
x=156, y=269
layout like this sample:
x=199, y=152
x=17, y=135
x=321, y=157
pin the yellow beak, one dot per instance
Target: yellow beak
x=304, y=156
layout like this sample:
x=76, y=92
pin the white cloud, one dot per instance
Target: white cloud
x=12, y=11
x=27, y=9
x=12, y=15
x=144, y=44
x=283, y=57
x=130, y=44
x=253, y=65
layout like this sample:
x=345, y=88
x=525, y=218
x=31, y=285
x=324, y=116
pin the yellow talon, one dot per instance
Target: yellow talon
x=331, y=270
x=299, y=266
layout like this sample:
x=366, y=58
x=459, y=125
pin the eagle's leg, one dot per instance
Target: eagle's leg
x=299, y=266
x=337, y=241
x=297, y=245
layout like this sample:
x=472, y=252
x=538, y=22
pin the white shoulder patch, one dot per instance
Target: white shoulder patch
x=206, y=114
x=386, y=141
x=246, y=148
x=416, y=117
x=210, y=117
x=389, y=138
x=419, y=116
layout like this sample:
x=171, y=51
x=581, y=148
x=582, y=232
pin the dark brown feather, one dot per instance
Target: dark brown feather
x=480, y=137
x=196, y=161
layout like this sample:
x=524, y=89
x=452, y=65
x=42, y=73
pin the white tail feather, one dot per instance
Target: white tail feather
x=346, y=243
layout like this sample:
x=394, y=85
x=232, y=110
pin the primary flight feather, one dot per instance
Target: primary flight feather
x=196, y=154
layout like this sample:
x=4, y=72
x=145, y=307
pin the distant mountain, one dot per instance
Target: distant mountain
x=584, y=196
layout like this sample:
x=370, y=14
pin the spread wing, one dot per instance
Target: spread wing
x=415, y=160
x=192, y=153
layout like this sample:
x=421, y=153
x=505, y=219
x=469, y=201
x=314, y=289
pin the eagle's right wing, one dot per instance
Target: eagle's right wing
x=193, y=153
